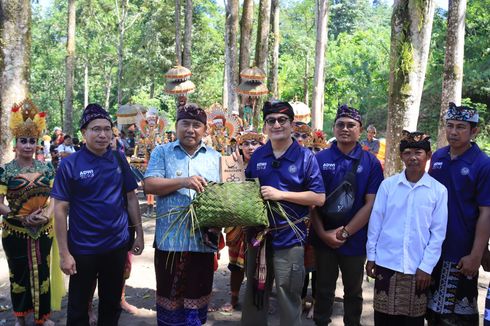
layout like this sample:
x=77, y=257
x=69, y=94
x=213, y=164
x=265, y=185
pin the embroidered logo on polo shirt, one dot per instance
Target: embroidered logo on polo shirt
x=465, y=171
x=359, y=169
x=261, y=166
x=328, y=166
x=292, y=169
x=437, y=166
x=86, y=174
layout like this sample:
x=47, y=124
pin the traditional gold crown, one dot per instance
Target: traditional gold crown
x=250, y=136
x=26, y=120
x=319, y=140
x=302, y=128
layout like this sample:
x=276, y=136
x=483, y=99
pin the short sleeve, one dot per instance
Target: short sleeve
x=375, y=176
x=128, y=178
x=313, y=176
x=156, y=165
x=61, y=187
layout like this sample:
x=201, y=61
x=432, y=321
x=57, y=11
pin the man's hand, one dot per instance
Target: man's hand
x=371, y=269
x=330, y=238
x=67, y=264
x=196, y=182
x=469, y=265
x=237, y=157
x=271, y=193
x=422, y=280
x=138, y=246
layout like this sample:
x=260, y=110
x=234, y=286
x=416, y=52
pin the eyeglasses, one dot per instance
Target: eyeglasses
x=99, y=130
x=272, y=121
x=24, y=141
x=248, y=143
x=342, y=125
x=298, y=135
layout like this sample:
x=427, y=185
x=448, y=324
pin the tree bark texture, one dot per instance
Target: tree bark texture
x=452, y=82
x=262, y=46
x=246, y=33
x=70, y=67
x=317, y=102
x=186, y=59
x=411, y=27
x=178, y=45
x=231, y=52
x=275, y=34
x=306, y=79
x=120, y=50
x=15, y=48
x=85, y=87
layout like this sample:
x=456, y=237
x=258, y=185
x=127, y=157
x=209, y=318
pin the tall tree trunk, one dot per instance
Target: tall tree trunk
x=411, y=26
x=306, y=78
x=452, y=82
x=274, y=66
x=321, y=15
x=108, y=86
x=246, y=33
x=121, y=27
x=186, y=59
x=231, y=51
x=70, y=68
x=262, y=46
x=15, y=48
x=85, y=85
x=178, y=33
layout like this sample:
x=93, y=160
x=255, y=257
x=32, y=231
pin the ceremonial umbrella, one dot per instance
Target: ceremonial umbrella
x=178, y=73
x=126, y=114
x=252, y=89
x=180, y=88
x=301, y=111
x=253, y=74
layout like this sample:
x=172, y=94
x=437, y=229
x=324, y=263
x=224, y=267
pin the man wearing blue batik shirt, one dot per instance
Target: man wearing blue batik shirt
x=289, y=175
x=465, y=171
x=340, y=244
x=184, y=264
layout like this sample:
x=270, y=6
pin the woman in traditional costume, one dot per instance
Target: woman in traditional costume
x=235, y=237
x=27, y=233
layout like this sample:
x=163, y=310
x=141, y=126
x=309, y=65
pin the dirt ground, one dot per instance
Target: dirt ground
x=140, y=291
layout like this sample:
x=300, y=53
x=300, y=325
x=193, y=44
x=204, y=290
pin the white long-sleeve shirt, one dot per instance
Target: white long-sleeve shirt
x=408, y=224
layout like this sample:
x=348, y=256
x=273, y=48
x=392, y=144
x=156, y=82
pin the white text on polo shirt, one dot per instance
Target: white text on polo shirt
x=261, y=166
x=86, y=174
x=437, y=165
x=328, y=166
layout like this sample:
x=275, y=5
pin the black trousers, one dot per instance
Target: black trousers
x=107, y=270
x=382, y=319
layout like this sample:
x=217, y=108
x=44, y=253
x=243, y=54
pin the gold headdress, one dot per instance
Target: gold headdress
x=26, y=120
x=251, y=135
x=302, y=128
x=319, y=140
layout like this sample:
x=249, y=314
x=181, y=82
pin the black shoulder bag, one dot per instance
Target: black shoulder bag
x=131, y=227
x=340, y=201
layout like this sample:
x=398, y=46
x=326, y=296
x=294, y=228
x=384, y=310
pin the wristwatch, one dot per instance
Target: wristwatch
x=344, y=234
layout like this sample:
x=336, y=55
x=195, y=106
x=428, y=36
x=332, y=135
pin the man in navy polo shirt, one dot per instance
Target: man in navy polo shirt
x=288, y=174
x=465, y=171
x=89, y=188
x=341, y=244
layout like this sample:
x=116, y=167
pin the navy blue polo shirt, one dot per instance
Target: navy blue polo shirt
x=334, y=165
x=296, y=170
x=467, y=179
x=92, y=184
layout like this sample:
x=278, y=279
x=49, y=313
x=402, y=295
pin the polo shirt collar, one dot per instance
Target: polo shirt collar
x=91, y=157
x=424, y=181
x=470, y=155
x=291, y=153
x=202, y=147
x=354, y=154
